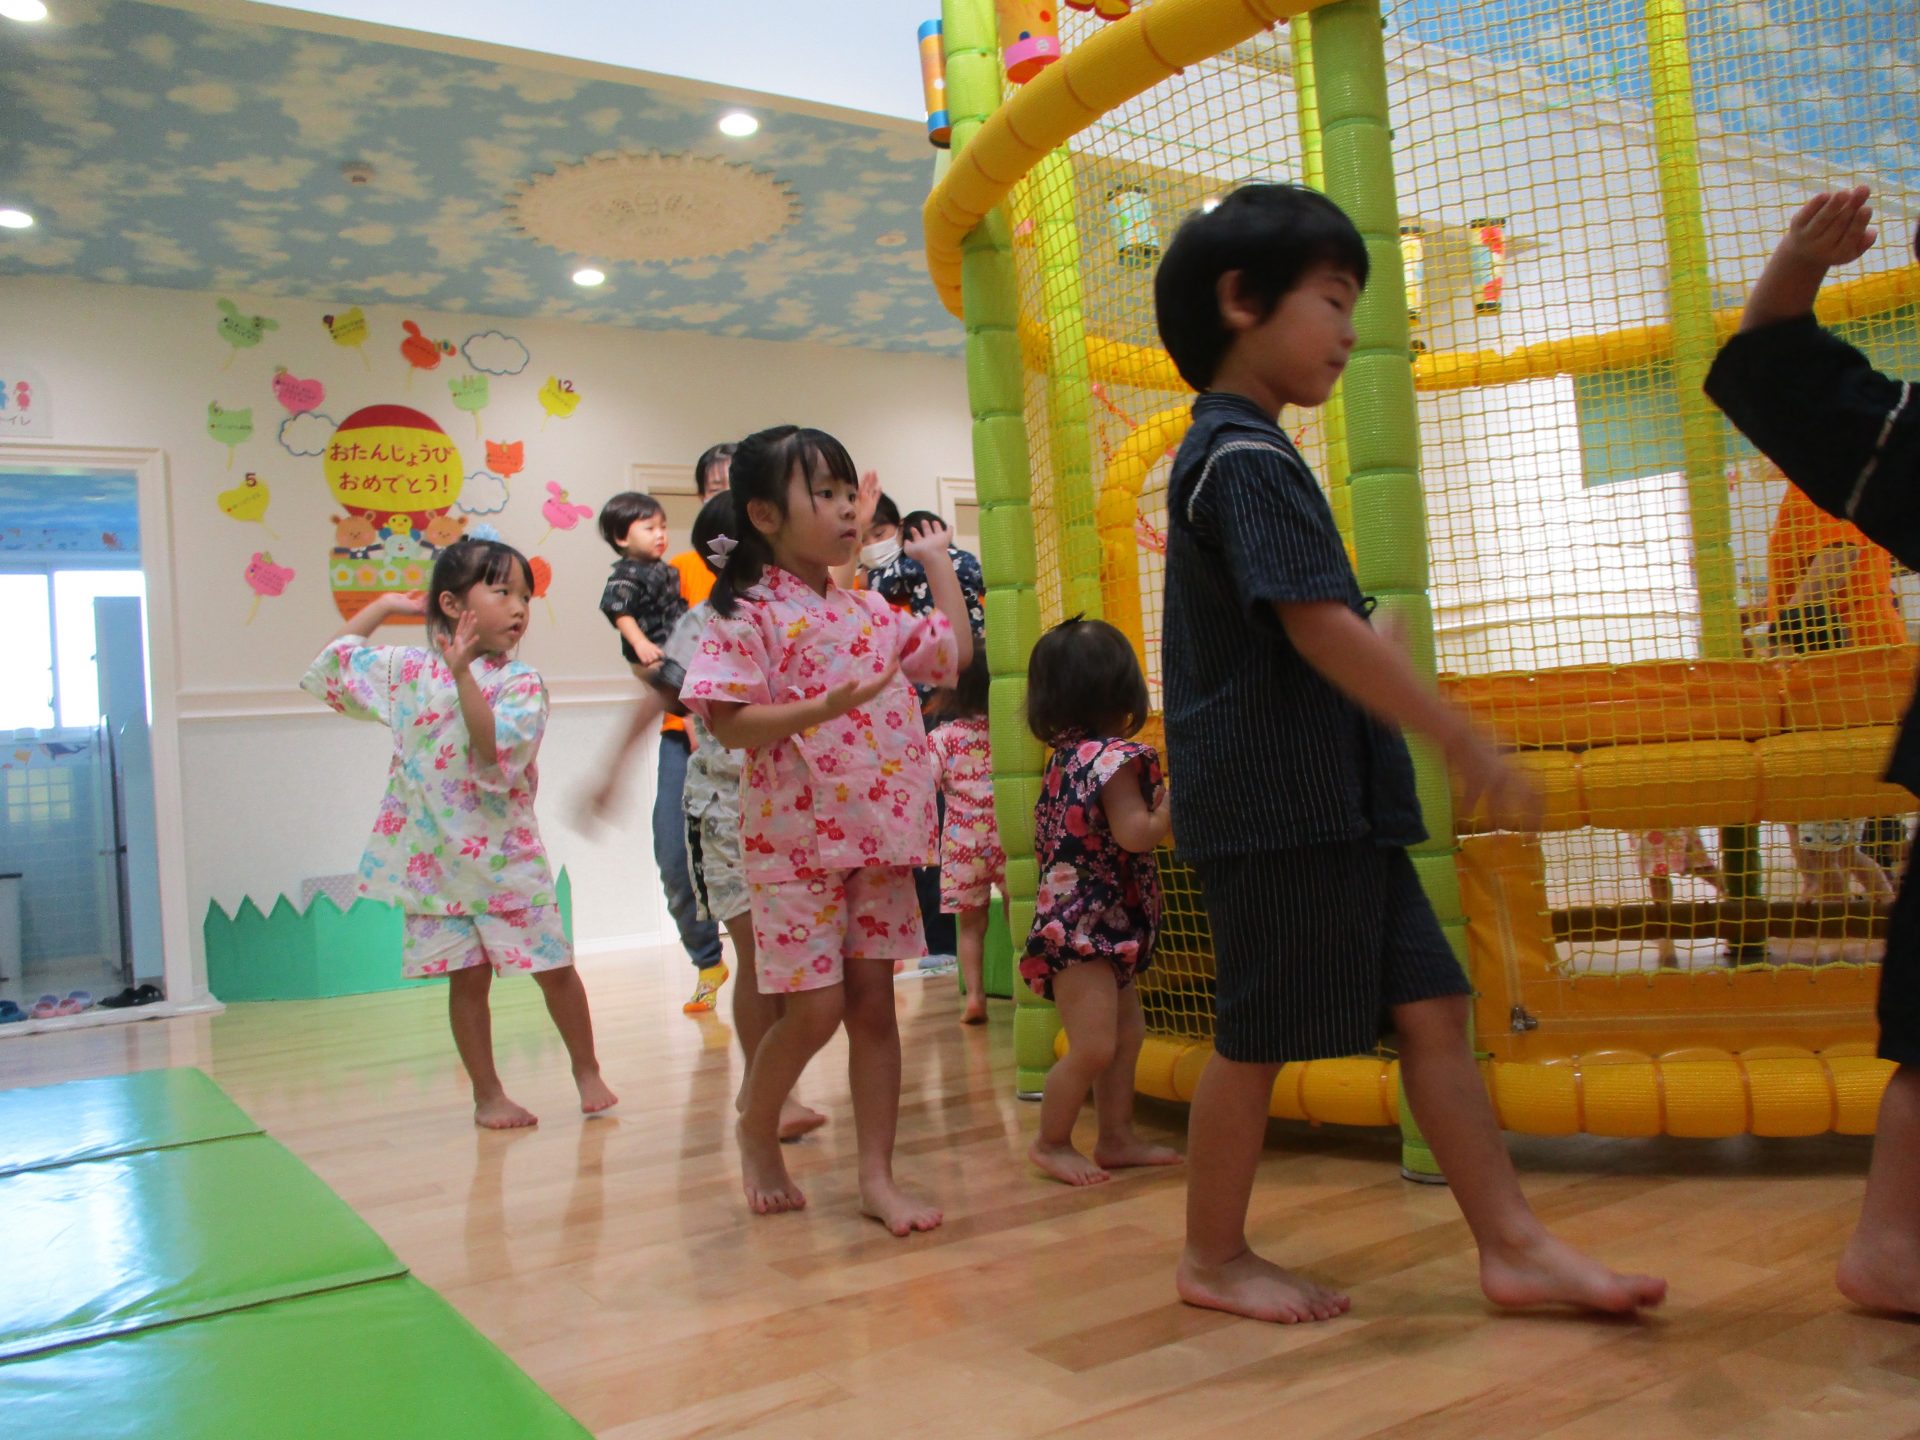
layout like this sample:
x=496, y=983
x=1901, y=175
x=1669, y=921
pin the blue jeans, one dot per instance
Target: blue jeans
x=700, y=937
x=942, y=935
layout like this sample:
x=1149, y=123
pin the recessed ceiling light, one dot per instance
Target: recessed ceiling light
x=26, y=11
x=738, y=124
x=589, y=277
x=15, y=220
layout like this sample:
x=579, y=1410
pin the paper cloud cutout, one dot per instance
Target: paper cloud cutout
x=482, y=494
x=307, y=434
x=495, y=353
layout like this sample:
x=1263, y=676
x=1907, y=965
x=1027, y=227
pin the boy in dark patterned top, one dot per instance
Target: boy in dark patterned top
x=1292, y=790
x=642, y=599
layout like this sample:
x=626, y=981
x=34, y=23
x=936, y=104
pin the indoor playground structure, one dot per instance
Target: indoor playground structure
x=1564, y=202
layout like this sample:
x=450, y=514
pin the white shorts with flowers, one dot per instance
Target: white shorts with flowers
x=513, y=942
x=805, y=929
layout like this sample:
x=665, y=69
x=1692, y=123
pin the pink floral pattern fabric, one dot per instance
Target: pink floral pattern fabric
x=1096, y=899
x=971, y=860
x=857, y=791
x=453, y=838
x=806, y=929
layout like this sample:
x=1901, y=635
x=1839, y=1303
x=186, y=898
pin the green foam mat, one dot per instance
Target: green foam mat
x=95, y=1119
x=100, y=1247
x=390, y=1360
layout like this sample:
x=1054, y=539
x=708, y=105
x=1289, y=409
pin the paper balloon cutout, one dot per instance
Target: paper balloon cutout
x=265, y=578
x=396, y=473
x=229, y=427
x=542, y=582
x=242, y=332
x=506, y=460
x=558, y=398
x=248, y=502
x=296, y=395
x=561, y=513
x=469, y=394
x=494, y=353
x=349, y=328
x=419, y=352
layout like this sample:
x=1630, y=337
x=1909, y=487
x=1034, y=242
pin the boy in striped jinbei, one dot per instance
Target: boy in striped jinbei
x=1292, y=789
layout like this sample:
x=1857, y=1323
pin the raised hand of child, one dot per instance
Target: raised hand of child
x=929, y=543
x=462, y=648
x=411, y=602
x=849, y=694
x=1492, y=784
x=866, y=500
x=1831, y=229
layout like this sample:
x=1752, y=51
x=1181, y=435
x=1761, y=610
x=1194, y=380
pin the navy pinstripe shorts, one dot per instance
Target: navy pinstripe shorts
x=1314, y=946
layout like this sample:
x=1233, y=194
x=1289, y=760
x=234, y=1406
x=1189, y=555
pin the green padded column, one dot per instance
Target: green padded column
x=1003, y=484
x=1069, y=382
x=1382, y=428
x=1313, y=170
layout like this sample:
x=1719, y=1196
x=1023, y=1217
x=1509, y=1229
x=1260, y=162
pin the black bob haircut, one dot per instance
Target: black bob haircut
x=710, y=457
x=1084, y=679
x=465, y=564
x=618, y=515
x=1271, y=234
x=970, y=693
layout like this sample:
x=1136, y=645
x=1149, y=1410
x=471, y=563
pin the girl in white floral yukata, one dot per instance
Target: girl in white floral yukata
x=456, y=848
x=836, y=802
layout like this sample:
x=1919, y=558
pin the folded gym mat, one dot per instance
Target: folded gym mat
x=92, y=1119
x=389, y=1359
x=99, y=1247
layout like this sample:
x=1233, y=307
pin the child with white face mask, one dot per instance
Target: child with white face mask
x=899, y=579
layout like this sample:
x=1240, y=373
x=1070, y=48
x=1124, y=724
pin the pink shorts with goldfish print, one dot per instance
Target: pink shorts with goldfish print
x=804, y=929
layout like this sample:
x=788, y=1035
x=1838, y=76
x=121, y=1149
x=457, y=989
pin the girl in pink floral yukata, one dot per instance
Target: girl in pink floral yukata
x=836, y=803
x=455, y=848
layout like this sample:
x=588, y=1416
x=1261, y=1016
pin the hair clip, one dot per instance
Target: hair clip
x=721, y=546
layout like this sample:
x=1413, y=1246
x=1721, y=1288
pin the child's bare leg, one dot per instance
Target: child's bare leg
x=972, y=928
x=1873, y=880
x=1661, y=888
x=807, y=1021
x=753, y=1014
x=1226, y=1128
x=472, y=1021
x=1520, y=1262
x=1119, y=1146
x=873, y=1074
x=566, y=998
x=1087, y=997
x=1881, y=1267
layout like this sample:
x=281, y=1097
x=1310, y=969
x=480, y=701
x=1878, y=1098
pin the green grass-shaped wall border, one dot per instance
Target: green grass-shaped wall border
x=289, y=954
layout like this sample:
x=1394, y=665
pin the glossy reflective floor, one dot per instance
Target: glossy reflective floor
x=614, y=1260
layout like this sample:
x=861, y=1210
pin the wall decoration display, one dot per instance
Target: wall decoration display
x=248, y=502
x=483, y=494
x=469, y=394
x=543, y=582
x=242, y=332
x=229, y=427
x=493, y=352
x=558, y=398
x=506, y=459
x=560, y=512
x=651, y=208
x=349, y=328
x=296, y=396
x=396, y=474
x=25, y=403
x=307, y=434
x=265, y=578
x=1488, y=255
x=420, y=351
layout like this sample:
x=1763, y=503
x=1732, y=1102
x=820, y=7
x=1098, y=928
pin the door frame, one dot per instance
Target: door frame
x=185, y=980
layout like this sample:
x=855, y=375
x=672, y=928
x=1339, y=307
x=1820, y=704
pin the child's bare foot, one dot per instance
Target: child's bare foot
x=1881, y=1274
x=894, y=1208
x=1669, y=960
x=595, y=1097
x=763, y=1175
x=976, y=1011
x=1066, y=1164
x=1257, y=1289
x=1123, y=1154
x=1547, y=1271
x=500, y=1113
x=797, y=1120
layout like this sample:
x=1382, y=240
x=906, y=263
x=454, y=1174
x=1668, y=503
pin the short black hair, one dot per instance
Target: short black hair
x=1271, y=234
x=1083, y=679
x=914, y=520
x=619, y=513
x=710, y=457
x=885, y=512
x=465, y=564
x=969, y=693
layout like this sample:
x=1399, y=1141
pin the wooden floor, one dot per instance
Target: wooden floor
x=614, y=1260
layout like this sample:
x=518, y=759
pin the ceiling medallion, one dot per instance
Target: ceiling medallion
x=652, y=207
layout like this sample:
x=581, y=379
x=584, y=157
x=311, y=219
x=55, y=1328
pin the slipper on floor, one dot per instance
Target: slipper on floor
x=148, y=994
x=46, y=1007
x=120, y=1001
x=76, y=1001
x=11, y=1013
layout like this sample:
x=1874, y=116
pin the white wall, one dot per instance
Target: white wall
x=275, y=788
